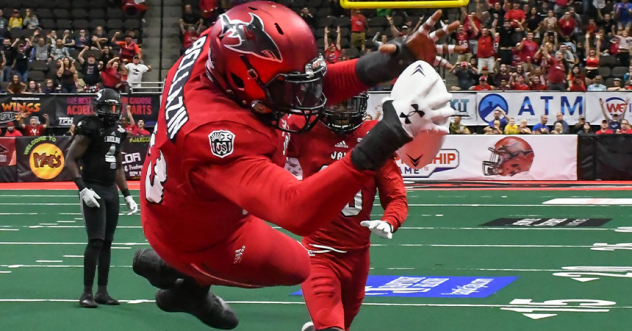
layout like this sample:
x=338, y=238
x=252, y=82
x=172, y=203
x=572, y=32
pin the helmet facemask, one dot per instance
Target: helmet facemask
x=346, y=117
x=297, y=94
x=109, y=110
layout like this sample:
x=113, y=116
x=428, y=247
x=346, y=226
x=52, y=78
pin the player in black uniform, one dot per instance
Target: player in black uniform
x=97, y=143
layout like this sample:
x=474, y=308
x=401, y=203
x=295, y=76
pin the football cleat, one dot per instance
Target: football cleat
x=105, y=299
x=150, y=266
x=186, y=297
x=87, y=301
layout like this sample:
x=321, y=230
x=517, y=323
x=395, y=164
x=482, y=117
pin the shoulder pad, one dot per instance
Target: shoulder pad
x=88, y=126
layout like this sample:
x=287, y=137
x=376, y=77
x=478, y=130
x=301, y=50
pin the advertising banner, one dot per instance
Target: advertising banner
x=497, y=157
x=42, y=159
x=531, y=106
x=13, y=107
x=7, y=160
x=71, y=108
x=599, y=104
x=134, y=150
x=464, y=104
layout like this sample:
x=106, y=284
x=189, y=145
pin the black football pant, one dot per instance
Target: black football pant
x=100, y=225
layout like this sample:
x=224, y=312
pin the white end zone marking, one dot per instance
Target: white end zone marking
x=589, y=201
x=49, y=261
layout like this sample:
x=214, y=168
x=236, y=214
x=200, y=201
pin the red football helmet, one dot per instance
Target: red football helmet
x=265, y=56
x=510, y=156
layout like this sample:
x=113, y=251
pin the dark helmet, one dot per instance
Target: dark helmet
x=107, y=105
x=346, y=116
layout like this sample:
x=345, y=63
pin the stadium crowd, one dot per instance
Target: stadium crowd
x=71, y=48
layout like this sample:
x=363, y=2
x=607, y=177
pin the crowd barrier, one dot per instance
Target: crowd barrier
x=477, y=108
x=474, y=158
x=66, y=109
x=43, y=159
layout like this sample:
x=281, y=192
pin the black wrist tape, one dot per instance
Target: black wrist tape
x=125, y=192
x=381, y=142
x=80, y=184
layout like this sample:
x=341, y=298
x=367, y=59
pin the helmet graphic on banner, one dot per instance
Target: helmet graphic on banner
x=510, y=156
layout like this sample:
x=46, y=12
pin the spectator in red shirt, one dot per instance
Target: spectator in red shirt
x=556, y=72
x=128, y=47
x=470, y=22
x=333, y=52
x=604, y=128
x=516, y=16
x=209, y=10
x=578, y=85
x=462, y=38
x=11, y=131
x=625, y=127
x=33, y=129
x=485, y=51
x=567, y=25
x=482, y=86
x=527, y=48
x=537, y=85
x=110, y=76
x=189, y=35
x=141, y=128
x=359, y=26
x=127, y=122
x=517, y=83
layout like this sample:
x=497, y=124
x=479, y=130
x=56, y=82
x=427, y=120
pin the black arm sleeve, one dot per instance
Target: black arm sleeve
x=377, y=67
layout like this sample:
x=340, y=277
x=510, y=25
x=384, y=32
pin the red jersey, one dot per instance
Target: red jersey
x=110, y=77
x=482, y=87
x=132, y=129
x=213, y=166
x=539, y=87
x=485, y=47
x=142, y=132
x=567, y=26
x=128, y=51
x=318, y=149
x=188, y=39
x=463, y=39
x=604, y=132
x=34, y=131
x=515, y=14
x=358, y=22
x=626, y=131
x=332, y=57
x=14, y=133
x=577, y=88
x=520, y=87
x=529, y=48
x=556, y=72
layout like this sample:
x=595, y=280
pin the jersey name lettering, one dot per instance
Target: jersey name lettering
x=112, y=139
x=175, y=111
x=338, y=155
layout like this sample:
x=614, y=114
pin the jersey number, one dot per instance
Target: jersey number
x=156, y=172
x=110, y=156
x=354, y=207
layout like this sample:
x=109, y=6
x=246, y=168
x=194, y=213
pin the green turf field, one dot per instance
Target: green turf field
x=42, y=239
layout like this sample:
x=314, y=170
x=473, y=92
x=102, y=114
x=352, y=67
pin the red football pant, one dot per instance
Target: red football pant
x=335, y=288
x=256, y=255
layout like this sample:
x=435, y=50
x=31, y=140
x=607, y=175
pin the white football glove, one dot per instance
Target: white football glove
x=420, y=90
x=422, y=103
x=380, y=228
x=131, y=205
x=89, y=197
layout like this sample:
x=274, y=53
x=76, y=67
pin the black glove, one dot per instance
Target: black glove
x=381, y=142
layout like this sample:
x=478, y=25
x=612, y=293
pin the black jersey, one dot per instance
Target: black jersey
x=99, y=161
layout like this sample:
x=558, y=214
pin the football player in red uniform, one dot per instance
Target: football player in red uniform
x=339, y=253
x=214, y=168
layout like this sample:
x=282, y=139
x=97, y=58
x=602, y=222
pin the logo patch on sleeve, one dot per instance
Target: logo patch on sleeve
x=222, y=142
